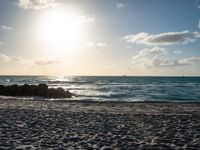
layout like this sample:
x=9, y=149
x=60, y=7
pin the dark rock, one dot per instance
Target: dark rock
x=2, y=89
x=33, y=90
x=11, y=90
x=42, y=90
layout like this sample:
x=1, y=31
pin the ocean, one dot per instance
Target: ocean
x=116, y=88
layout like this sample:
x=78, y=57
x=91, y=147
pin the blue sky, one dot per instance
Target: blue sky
x=100, y=37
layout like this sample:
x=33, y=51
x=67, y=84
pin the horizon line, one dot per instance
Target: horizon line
x=104, y=75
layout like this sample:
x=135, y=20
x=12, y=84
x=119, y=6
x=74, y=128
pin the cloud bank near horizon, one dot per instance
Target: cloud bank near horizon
x=158, y=57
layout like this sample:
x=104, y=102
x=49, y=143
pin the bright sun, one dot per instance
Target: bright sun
x=60, y=30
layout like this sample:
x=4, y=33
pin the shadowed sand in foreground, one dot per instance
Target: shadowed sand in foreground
x=98, y=125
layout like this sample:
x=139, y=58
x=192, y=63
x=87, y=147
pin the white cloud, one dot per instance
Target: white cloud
x=199, y=24
x=149, y=52
x=98, y=44
x=158, y=57
x=1, y=43
x=19, y=59
x=155, y=50
x=14, y=59
x=164, y=62
x=167, y=38
x=87, y=19
x=4, y=27
x=4, y=58
x=101, y=44
x=150, y=57
x=177, y=52
x=190, y=61
x=25, y=4
x=120, y=6
x=37, y=4
x=46, y=61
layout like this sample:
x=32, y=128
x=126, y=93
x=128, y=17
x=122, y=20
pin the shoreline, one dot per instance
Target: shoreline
x=37, y=98
x=143, y=107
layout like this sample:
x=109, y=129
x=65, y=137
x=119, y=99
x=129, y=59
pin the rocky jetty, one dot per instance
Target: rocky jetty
x=34, y=90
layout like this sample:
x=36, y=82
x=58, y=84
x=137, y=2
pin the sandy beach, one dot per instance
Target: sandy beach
x=98, y=125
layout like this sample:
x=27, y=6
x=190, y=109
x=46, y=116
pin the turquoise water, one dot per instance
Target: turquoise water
x=119, y=88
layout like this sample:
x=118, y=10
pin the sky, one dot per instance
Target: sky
x=100, y=37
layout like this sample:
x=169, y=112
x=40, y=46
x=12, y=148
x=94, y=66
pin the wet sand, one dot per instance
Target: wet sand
x=98, y=125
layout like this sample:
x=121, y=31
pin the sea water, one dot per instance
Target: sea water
x=116, y=88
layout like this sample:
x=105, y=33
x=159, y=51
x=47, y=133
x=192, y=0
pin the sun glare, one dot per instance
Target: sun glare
x=60, y=30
